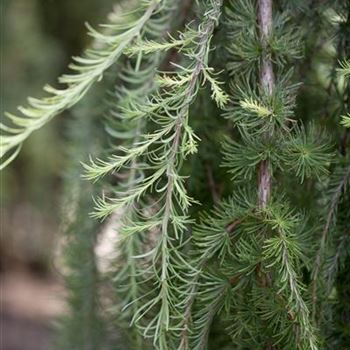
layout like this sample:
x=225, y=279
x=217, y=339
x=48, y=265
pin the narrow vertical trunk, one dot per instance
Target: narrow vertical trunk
x=267, y=79
x=267, y=82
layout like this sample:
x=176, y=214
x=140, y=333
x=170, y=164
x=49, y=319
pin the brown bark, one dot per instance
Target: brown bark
x=267, y=82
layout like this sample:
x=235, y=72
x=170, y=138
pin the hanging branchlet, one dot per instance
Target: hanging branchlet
x=86, y=70
x=134, y=86
x=162, y=152
x=128, y=278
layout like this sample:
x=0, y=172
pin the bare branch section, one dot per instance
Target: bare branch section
x=267, y=81
x=267, y=78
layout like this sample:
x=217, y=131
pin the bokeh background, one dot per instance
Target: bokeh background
x=38, y=37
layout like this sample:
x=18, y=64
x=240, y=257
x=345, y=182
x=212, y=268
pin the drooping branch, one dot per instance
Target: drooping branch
x=86, y=70
x=204, y=42
x=330, y=217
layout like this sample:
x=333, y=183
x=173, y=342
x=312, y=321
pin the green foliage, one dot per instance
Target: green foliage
x=260, y=270
x=346, y=121
x=86, y=71
x=345, y=73
x=83, y=327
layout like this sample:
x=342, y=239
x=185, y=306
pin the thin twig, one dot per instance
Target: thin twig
x=212, y=184
x=267, y=81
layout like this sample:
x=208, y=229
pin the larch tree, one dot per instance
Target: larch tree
x=218, y=145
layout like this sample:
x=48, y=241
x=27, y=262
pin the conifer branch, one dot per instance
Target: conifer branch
x=164, y=149
x=239, y=277
x=212, y=301
x=87, y=70
x=134, y=88
x=206, y=31
x=283, y=250
x=320, y=253
x=262, y=115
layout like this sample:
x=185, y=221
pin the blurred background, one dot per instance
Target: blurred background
x=38, y=37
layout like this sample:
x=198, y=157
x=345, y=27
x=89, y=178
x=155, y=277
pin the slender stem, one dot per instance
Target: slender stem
x=203, y=43
x=181, y=118
x=264, y=183
x=212, y=184
x=267, y=82
x=267, y=79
